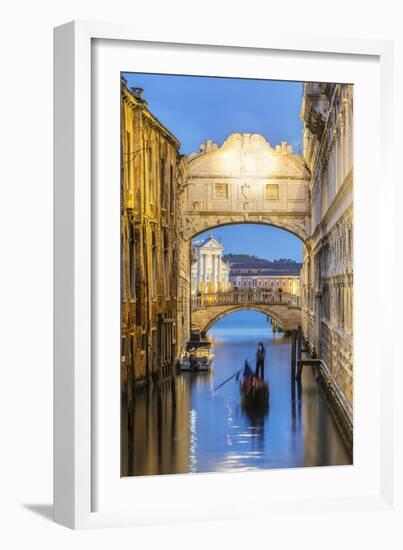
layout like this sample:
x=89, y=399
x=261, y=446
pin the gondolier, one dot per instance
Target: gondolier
x=260, y=357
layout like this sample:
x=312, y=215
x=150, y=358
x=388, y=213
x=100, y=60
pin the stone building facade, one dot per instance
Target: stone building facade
x=327, y=274
x=289, y=284
x=183, y=265
x=152, y=172
x=209, y=271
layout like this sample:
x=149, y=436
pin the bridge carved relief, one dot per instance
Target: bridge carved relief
x=246, y=181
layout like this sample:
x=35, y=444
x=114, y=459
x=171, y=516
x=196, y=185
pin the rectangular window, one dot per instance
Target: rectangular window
x=154, y=266
x=132, y=267
x=154, y=350
x=140, y=274
x=156, y=177
x=221, y=191
x=272, y=192
x=127, y=159
x=171, y=189
x=165, y=252
x=163, y=197
x=132, y=348
x=150, y=174
x=122, y=269
x=149, y=162
x=123, y=348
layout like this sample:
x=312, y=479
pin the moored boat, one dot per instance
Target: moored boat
x=198, y=356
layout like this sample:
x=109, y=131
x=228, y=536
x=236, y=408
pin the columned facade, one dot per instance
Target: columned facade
x=209, y=271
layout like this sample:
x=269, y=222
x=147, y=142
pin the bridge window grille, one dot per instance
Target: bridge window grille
x=272, y=192
x=221, y=191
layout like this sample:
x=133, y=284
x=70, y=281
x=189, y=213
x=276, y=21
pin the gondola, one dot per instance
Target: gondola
x=254, y=391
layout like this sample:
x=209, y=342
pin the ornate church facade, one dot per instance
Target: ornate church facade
x=209, y=271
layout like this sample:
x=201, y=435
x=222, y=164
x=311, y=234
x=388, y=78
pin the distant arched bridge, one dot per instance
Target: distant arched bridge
x=208, y=308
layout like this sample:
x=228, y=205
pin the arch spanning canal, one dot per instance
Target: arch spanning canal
x=209, y=308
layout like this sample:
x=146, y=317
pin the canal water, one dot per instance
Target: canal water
x=187, y=427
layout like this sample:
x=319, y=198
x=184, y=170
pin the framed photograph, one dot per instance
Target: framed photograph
x=213, y=288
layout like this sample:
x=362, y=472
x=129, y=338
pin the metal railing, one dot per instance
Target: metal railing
x=253, y=296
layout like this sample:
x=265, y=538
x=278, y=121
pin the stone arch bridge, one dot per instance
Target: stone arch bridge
x=246, y=180
x=209, y=308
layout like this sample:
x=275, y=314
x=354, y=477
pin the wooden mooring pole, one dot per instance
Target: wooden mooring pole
x=293, y=355
x=299, y=352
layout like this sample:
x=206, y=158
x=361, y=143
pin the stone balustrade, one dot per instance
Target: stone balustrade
x=245, y=297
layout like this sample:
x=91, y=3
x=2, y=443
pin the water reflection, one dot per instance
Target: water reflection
x=183, y=426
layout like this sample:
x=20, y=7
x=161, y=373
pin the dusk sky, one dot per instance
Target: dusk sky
x=263, y=241
x=198, y=108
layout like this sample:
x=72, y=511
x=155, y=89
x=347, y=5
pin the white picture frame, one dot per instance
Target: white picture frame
x=78, y=388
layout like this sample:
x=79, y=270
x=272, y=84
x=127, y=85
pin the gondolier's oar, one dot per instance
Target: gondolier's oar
x=228, y=379
x=225, y=381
